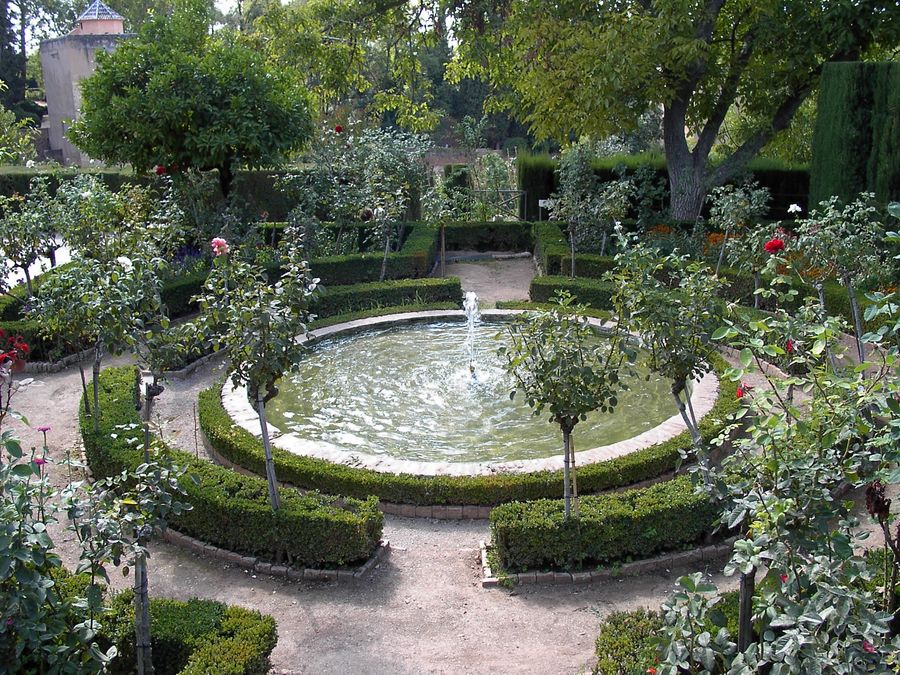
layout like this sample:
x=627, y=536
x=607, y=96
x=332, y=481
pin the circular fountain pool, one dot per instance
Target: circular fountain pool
x=401, y=397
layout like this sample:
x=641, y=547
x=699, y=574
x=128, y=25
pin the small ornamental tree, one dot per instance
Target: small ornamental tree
x=848, y=240
x=562, y=368
x=259, y=325
x=673, y=305
x=817, y=607
x=179, y=97
x=735, y=210
x=25, y=233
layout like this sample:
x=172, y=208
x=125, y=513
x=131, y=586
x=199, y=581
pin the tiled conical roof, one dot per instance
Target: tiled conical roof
x=98, y=10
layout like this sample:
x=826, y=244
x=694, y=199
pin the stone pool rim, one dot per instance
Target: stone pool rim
x=704, y=394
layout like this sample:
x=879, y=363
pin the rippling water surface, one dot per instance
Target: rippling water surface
x=406, y=391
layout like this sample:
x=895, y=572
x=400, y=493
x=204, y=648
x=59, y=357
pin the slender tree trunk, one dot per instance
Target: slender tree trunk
x=51, y=255
x=148, y=405
x=682, y=410
x=722, y=251
x=225, y=178
x=745, y=610
x=84, y=389
x=603, y=245
x=574, y=477
x=820, y=291
x=143, y=648
x=28, y=281
x=274, y=498
x=572, y=250
x=567, y=496
x=443, y=248
x=857, y=319
x=98, y=357
x=387, y=250
x=757, y=282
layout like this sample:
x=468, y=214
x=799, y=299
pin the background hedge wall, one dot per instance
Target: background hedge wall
x=787, y=185
x=231, y=510
x=856, y=142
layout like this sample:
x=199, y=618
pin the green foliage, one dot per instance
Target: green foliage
x=624, y=646
x=488, y=236
x=857, y=136
x=178, y=97
x=27, y=228
x=593, y=292
x=197, y=637
x=610, y=528
x=231, y=510
x=356, y=297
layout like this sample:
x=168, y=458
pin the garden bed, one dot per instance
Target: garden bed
x=231, y=511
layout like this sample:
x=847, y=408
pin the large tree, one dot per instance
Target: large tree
x=570, y=67
x=178, y=97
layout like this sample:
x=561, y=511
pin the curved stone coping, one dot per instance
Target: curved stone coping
x=254, y=564
x=663, y=562
x=705, y=391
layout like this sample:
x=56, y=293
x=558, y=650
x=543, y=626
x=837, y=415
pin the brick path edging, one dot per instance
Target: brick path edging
x=665, y=561
x=254, y=564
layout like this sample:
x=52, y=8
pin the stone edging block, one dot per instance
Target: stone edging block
x=663, y=562
x=253, y=564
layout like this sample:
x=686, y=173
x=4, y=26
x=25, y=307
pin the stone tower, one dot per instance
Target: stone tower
x=65, y=62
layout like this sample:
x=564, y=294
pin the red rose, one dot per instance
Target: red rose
x=774, y=246
x=868, y=647
x=784, y=578
x=789, y=346
x=159, y=169
x=338, y=128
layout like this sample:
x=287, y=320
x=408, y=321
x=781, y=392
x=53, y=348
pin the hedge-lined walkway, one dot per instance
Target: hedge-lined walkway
x=423, y=611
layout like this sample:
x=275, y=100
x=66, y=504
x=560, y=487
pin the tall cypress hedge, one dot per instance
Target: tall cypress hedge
x=856, y=143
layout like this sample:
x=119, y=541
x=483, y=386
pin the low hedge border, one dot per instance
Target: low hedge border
x=242, y=449
x=489, y=236
x=230, y=510
x=610, y=528
x=493, y=574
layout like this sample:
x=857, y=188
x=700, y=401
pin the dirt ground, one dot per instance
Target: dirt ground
x=423, y=609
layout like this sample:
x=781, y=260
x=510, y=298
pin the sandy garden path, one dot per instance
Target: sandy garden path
x=422, y=611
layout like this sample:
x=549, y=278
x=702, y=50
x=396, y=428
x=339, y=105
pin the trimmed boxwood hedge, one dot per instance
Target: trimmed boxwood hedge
x=489, y=236
x=197, y=636
x=593, y=292
x=610, y=527
x=341, y=299
x=231, y=510
x=245, y=450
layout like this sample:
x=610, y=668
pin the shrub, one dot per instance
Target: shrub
x=610, y=527
x=231, y=510
x=197, y=636
x=489, y=236
x=624, y=646
x=592, y=292
x=342, y=299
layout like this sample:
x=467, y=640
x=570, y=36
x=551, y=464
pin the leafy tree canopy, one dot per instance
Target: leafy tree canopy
x=569, y=67
x=178, y=97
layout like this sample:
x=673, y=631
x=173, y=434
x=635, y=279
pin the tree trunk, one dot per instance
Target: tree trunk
x=857, y=319
x=757, y=282
x=572, y=249
x=98, y=357
x=603, y=245
x=443, y=248
x=148, y=403
x=567, y=496
x=387, y=250
x=28, y=281
x=225, y=178
x=574, y=477
x=274, y=498
x=745, y=610
x=84, y=389
x=143, y=649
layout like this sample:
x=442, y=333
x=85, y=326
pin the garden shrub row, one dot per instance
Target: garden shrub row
x=593, y=292
x=536, y=175
x=489, y=236
x=341, y=299
x=193, y=638
x=231, y=510
x=245, y=450
x=610, y=527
